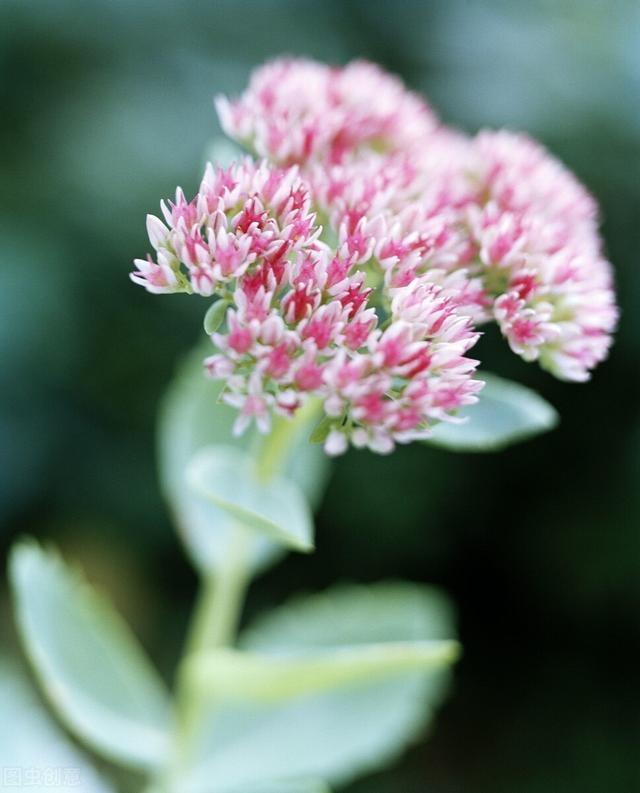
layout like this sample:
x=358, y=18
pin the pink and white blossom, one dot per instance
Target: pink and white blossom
x=361, y=256
x=535, y=228
x=296, y=110
x=247, y=219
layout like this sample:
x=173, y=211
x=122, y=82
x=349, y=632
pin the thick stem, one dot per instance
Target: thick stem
x=219, y=606
x=214, y=624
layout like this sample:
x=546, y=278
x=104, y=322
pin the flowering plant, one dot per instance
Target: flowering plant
x=350, y=264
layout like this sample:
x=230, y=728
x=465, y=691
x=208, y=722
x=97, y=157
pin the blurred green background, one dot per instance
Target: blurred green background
x=106, y=106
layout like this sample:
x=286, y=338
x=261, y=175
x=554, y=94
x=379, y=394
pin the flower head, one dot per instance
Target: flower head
x=302, y=320
x=358, y=259
x=515, y=226
x=535, y=230
x=296, y=110
x=246, y=220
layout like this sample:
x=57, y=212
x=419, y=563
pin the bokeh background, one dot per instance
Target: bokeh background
x=106, y=106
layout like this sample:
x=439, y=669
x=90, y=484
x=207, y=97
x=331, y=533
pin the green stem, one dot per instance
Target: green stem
x=217, y=612
x=214, y=624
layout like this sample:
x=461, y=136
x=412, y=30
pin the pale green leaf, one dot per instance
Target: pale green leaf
x=265, y=677
x=35, y=755
x=91, y=668
x=277, y=509
x=215, y=316
x=505, y=413
x=191, y=418
x=347, y=702
x=321, y=430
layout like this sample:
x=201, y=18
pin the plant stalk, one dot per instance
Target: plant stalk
x=214, y=624
x=220, y=602
x=217, y=612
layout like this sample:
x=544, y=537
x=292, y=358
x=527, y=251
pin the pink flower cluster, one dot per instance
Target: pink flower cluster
x=536, y=236
x=297, y=110
x=358, y=258
x=501, y=212
x=301, y=320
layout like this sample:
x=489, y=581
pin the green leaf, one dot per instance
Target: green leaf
x=263, y=677
x=215, y=316
x=506, y=413
x=191, y=418
x=321, y=431
x=332, y=699
x=226, y=477
x=90, y=666
x=35, y=755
